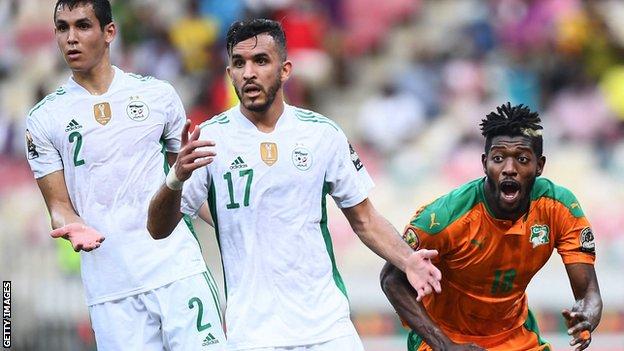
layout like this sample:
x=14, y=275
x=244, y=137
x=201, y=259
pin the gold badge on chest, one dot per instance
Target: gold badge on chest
x=102, y=113
x=268, y=152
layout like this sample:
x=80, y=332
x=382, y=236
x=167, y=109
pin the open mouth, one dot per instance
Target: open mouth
x=510, y=190
x=73, y=54
x=252, y=89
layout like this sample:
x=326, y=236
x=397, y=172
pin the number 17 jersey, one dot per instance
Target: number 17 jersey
x=267, y=196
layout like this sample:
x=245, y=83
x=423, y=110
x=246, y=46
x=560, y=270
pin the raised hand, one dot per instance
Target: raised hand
x=81, y=237
x=191, y=155
x=579, y=328
x=422, y=274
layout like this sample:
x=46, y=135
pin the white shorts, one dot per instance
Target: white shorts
x=344, y=343
x=183, y=315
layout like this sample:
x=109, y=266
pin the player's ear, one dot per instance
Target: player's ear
x=541, y=161
x=110, y=31
x=484, y=162
x=286, y=70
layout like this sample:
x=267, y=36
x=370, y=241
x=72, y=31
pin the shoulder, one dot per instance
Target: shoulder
x=313, y=119
x=43, y=108
x=546, y=189
x=134, y=80
x=217, y=122
x=447, y=209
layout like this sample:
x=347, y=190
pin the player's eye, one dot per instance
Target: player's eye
x=61, y=27
x=238, y=63
x=262, y=61
x=497, y=158
x=523, y=159
x=84, y=25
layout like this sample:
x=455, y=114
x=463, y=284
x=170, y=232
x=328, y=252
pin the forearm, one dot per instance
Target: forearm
x=164, y=212
x=379, y=235
x=402, y=296
x=62, y=215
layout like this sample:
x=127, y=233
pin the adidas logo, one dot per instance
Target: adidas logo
x=238, y=163
x=73, y=125
x=210, y=340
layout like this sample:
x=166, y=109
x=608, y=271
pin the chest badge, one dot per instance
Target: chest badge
x=102, y=113
x=302, y=158
x=268, y=152
x=137, y=110
x=540, y=235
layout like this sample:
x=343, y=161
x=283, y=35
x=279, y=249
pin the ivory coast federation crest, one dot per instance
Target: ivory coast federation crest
x=540, y=235
x=102, y=113
x=268, y=153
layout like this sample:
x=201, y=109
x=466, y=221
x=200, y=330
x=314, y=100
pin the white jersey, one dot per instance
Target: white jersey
x=267, y=196
x=110, y=150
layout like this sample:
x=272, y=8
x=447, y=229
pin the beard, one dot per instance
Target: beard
x=271, y=93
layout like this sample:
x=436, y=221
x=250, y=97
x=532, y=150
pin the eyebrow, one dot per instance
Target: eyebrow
x=78, y=21
x=521, y=147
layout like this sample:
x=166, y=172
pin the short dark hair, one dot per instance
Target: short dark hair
x=512, y=121
x=243, y=30
x=102, y=9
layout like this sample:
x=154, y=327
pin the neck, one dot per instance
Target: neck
x=98, y=79
x=265, y=121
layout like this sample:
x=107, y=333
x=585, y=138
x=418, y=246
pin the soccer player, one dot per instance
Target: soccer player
x=493, y=234
x=96, y=148
x=265, y=168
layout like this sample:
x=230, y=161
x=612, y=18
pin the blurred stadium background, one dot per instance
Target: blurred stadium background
x=408, y=80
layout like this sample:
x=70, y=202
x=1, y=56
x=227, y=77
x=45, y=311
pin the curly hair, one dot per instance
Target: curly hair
x=512, y=121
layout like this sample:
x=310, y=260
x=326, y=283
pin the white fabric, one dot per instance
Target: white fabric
x=344, y=343
x=123, y=167
x=162, y=319
x=281, y=287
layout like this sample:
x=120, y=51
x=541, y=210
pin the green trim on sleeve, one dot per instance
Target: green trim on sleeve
x=543, y=187
x=531, y=325
x=441, y=213
x=328, y=242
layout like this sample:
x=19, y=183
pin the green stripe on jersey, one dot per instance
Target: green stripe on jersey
x=140, y=77
x=328, y=242
x=531, y=325
x=213, y=291
x=50, y=97
x=310, y=116
x=221, y=119
x=545, y=188
x=450, y=207
x=212, y=204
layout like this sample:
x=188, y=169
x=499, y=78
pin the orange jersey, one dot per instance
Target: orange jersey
x=487, y=263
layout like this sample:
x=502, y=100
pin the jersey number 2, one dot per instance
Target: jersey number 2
x=228, y=177
x=200, y=313
x=76, y=136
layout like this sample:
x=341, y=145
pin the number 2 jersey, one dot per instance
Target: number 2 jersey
x=109, y=148
x=487, y=263
x=267, y=194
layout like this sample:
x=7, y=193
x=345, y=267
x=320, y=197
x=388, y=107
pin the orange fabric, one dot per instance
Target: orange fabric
x=487, y=264
x=517, y=339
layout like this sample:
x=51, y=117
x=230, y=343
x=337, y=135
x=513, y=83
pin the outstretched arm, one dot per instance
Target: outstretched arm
x=402, y=296
x=381, y=237
x=587, y=310
x=164, y=209
x=65, y=221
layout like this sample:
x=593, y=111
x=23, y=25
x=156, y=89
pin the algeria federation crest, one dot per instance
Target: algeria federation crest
x=302, y=158
x=137, y=110
x=540, y=235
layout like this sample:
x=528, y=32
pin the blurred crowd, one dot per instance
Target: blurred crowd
x=415, y=125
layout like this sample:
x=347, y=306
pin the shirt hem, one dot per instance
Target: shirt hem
x=292, y=343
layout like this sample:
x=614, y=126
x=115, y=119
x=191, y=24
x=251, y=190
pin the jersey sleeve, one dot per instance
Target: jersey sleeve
x=175, y=119
x=195, y=192
x=348, y=180
x=418, y=236
x=575, y=238
x=42, y=156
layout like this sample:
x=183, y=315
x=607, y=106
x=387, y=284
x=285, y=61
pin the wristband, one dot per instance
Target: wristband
x=172, y=180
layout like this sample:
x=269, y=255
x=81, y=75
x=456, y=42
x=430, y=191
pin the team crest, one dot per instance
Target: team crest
x=411, y=238
x=268, y=153
x=302, y=158
x=587, y=240
x=30, y=146
x=137, y=110
x=102, y=113
x=540, y=235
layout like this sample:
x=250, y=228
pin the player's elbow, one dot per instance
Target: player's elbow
x=156, y=231
x=390, y=278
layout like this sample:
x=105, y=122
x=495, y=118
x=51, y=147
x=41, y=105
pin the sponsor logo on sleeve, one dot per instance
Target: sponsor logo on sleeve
x=411, y=238
x=587, y=240
x=30, y=145
x=355, y=158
